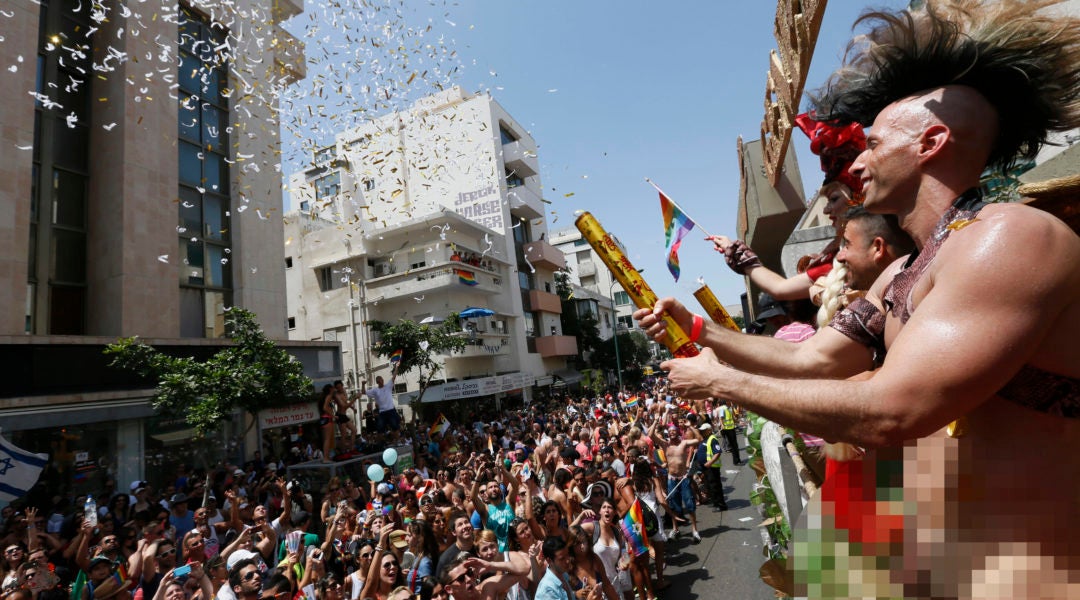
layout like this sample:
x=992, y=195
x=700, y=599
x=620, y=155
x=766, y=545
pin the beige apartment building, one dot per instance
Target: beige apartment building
x=141, y=197
x=419, y=214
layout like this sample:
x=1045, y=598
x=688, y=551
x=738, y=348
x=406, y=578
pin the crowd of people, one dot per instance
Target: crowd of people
x=522, y=504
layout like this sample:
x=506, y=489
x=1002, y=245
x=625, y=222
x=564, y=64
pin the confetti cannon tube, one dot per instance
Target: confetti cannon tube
x=714, y=309
x=624, y=272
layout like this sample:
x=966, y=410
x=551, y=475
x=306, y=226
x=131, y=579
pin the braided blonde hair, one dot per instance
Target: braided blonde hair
x=832, y=294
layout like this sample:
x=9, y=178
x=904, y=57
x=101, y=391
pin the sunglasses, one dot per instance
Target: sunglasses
x=367, y=555
x=389, y=565
x=30, y=575
x=165, y=553
x=251, y=575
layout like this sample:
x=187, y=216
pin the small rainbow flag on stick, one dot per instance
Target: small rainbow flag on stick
x=676, y=226
x=395, y=356
x=441, y=425
x=631, y=402
x=633, y=527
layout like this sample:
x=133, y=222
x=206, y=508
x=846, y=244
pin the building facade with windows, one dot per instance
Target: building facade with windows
x=138, y=150
x=587, y=270
x=419, y=214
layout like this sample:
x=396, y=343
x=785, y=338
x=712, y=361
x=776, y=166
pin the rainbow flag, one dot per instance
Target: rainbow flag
x=631, y=402
x=633, y=527
x=395, y=356
x=466, y=277
x=441, y=425
x=676, y=226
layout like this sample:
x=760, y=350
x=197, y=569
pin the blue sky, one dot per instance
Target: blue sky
x=613, y=92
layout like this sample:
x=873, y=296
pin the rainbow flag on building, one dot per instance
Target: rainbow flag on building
x=676, y=226
x=633, y=527
x=466, y=277
x=395, y=356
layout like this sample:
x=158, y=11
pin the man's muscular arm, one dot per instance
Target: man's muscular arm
x=827, y=354
x=970, y=334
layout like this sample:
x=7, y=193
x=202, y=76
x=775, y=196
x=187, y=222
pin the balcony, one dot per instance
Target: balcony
x=586, y=268
x=426, y=280
x=545, y=302
x=525, y=203
x=483, y=347
x=520, y=159
x=542, y=254
x=289, y=56
x=556, y=345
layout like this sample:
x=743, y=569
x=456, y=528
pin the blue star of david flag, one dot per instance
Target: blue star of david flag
x=19, y=470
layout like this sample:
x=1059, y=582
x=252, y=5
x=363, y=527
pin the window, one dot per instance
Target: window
x=205, y=269
x=325, y=276
x=369, y=184
x=292, y=322
x=513, y=180
x=325, y=155
x=418, y=265
x=622, y=298
x=59, y=199
x=506, y=135
x=581, y=242
x=626, y=322
x=401, y=388
x=525, y=280
x=531, y=325
x=305, y=206
x=288, y=262
x=328, y=186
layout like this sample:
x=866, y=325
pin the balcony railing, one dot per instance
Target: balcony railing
x=556, y=345
x=520, y=159
x=545, y=302
x=542, y=254
x=415, y=282
x=525, y=203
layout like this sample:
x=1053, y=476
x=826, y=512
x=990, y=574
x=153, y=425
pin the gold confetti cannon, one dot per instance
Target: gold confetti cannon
x=631, y=281
x=714, y=309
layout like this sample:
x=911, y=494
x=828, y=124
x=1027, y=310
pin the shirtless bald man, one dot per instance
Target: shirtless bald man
x=980, y=378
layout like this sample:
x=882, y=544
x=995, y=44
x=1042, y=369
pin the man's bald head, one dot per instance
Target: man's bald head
x=971, y=120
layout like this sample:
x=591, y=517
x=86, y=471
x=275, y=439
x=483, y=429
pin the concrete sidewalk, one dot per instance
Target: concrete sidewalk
x=725, y=563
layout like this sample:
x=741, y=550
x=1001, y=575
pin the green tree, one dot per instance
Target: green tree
x=633, y=354
x=250, y=375
x=419, y=344
x=740, y=321
x=586, y=327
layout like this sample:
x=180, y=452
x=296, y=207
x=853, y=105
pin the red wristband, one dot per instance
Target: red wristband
x=695, y=330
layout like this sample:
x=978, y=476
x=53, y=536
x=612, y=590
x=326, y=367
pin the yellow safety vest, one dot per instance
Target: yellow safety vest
x=709, y=451
x=727, y=419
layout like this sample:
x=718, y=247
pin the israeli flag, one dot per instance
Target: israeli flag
x=19, y=470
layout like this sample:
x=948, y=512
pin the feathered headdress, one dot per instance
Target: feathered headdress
x=1023, y=59
x=838, y=145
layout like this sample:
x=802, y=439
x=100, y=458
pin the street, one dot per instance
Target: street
x=725, y=563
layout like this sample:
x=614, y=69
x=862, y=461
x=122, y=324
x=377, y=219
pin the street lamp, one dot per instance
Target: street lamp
x=615, y=334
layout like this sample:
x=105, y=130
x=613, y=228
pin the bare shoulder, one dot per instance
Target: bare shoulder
x=1014, y=239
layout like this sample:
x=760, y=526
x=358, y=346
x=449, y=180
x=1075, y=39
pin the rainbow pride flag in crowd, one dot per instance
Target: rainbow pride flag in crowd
x=395, y=356
x=631, y=402
x=633, y=527
x=441, y=425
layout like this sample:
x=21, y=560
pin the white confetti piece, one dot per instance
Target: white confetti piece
x=745, y=519
x=163, y=258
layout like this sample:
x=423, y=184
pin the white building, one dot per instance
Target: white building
x=588, y=271
x=419, y=214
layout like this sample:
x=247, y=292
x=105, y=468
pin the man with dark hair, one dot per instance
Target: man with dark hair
x=979, y=324
x=464, y=539
x=245, y=579
x=555, y=585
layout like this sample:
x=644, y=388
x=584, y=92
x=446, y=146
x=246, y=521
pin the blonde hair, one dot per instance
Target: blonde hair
x=832, y=293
